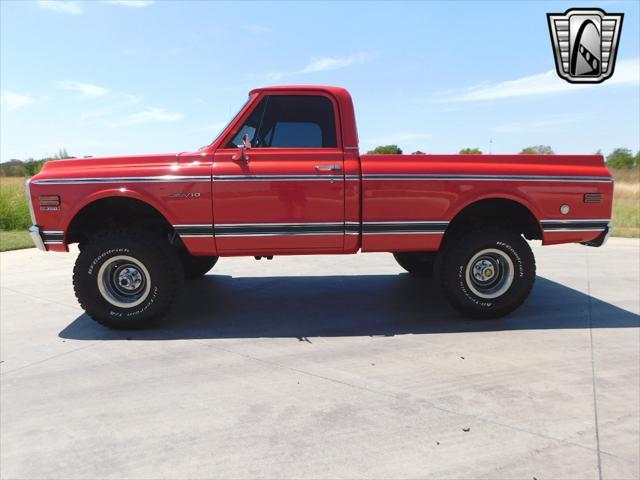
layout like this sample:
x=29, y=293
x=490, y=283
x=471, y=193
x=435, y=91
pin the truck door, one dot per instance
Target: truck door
x=285, y=194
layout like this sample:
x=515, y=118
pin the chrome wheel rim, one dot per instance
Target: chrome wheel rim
x=489, y=273
x=124, y=281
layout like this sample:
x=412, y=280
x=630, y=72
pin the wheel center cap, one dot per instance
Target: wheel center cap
x=129, y=278
x=483, y=270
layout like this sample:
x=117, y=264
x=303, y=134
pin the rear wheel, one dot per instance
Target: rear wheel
x=195, y=267
x=488, y=273
x=126, y=279
x=419, y=264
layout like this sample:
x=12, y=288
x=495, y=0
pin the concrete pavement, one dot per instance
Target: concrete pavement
x=326, y=367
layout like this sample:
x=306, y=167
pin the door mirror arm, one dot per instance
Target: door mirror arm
x=242, y=150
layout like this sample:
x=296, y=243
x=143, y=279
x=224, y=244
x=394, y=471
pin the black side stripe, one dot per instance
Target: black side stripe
x=284, y=229
x=194, y=230
x=574, y=225
x=51, y=236
x=412, y=227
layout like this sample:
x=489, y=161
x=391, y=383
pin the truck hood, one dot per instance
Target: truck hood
x=105, y=166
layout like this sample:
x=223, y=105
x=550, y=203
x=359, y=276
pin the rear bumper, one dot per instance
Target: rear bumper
x=600, y=239
x=37, y=238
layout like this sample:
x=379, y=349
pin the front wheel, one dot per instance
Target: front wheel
x=488, y=273
x=126, y=279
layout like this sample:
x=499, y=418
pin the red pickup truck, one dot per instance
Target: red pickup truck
x=285, y=177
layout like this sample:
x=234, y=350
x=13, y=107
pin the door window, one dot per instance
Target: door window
x=290, y=121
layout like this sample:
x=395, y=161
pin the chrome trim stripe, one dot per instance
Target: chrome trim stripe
x=337, y=224
x=151, y=179
x=371, y=176
x=284, y=229
x=404, y=227
x=279, y=178
x=36, y=238
x=561, y=220
x=312, y=228
x=574, y=225
x=407, y=232
x=27, y=191
x=508, y=178
x=53, y=242
x=554, y=230
x=261, y=229
x=52, y=236
x=409, y=222
x=278, y=234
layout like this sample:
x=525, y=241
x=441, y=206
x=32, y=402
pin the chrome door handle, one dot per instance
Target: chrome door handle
x=328, y=168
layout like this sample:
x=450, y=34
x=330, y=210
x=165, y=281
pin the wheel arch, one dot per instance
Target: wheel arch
x=504, y=211
x=110, y=209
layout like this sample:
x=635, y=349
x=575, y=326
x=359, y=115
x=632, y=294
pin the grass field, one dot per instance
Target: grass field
x=14, y=240
x=626, y=203
x=14, y=212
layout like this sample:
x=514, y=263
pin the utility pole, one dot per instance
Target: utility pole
x=490, y=145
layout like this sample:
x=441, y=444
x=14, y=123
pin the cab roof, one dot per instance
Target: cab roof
x=338, y=91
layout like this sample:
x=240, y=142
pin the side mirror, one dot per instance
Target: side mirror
x=242, y=150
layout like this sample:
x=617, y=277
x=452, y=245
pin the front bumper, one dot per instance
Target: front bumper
x=37, y=238
x=600, y=239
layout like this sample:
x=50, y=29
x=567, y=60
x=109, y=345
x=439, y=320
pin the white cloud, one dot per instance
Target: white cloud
x=133, y=3
x=61, y=6
x=249, y=27
x=541, y=125
x=627, y=72
x=324, y=64
x=119, y=101
x=86, y=90
x=11, y=101
x=149, y=115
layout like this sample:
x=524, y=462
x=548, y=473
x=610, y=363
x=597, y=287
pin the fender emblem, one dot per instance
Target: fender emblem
x=185, y=195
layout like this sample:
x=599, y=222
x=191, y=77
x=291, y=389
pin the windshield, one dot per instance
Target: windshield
x=228, y=123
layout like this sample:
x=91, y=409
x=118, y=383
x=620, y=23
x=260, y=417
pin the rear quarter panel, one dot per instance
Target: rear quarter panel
x=435, y=188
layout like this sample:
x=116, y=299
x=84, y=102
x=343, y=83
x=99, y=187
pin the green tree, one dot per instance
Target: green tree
x=418, y=152
x=61, y=155
x=386, y=149
x=621, y=158
x=538, y=149
x=470, y=151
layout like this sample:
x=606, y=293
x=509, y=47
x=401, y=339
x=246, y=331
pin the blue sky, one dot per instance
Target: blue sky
x=121, y=77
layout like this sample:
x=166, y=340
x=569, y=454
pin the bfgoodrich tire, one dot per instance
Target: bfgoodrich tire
x=488, y=273
x=419, y=264
x=126, y=279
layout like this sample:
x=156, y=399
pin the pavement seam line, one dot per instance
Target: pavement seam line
x=396, y=397
x=593, y=368
x=2, y=374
